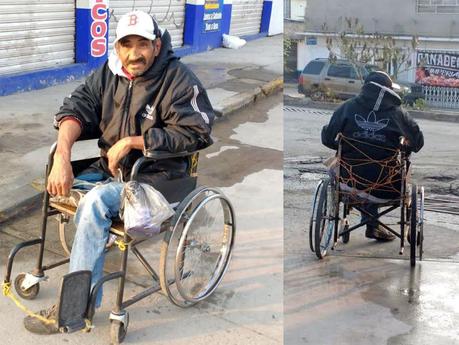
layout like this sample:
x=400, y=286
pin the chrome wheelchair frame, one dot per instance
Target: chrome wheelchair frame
x=181, y=240
x=331, y=207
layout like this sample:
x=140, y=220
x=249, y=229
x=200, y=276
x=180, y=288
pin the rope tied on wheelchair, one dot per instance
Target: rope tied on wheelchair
x=121, y=245
x=6, y=289
x=386, y=176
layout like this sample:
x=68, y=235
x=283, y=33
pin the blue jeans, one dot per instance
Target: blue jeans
x=93, y=222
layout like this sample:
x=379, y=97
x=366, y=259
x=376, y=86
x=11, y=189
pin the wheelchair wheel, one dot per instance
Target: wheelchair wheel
x=196, y=254
x=413, y=223
x=325, y=216
x=312, y=219
x=347, y=236
x=29, y=293
x=420, y=238
x=118, y=331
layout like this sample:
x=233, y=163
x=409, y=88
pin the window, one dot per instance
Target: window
x=342, y=71
x=437, y=6
x=287, y=9
x=314, y=67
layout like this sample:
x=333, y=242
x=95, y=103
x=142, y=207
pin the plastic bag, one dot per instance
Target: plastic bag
x=143, y=209
x=233, y=42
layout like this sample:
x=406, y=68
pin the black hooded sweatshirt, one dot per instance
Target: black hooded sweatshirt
x=374, y=117
x=167, y=105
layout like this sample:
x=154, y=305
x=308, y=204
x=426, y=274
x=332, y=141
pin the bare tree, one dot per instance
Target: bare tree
x=359, y=47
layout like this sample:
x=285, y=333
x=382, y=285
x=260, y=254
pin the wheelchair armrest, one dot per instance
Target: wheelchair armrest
x=152, y=156
x=158, y=155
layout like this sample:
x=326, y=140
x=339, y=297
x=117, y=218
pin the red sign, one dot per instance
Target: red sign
x=437, y=68
x=99, y=28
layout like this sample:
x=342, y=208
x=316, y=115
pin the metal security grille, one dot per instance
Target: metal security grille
x=246, y=17
x=170, y=15
x=441, y=97
x=36, y=34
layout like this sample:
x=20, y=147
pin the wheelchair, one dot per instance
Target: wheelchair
x=336, y=196
x=193, y=259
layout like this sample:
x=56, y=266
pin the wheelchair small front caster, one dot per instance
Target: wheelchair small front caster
x=29, y=293
x=118, y=328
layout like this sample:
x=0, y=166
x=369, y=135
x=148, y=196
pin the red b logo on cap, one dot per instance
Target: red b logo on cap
x=132, y=20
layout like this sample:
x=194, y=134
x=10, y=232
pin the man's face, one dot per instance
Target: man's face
x=137, y=53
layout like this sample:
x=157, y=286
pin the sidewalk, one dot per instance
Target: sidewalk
x=233, y=79
x=293, y=98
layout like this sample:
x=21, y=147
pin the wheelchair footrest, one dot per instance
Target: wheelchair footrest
x=74, y=296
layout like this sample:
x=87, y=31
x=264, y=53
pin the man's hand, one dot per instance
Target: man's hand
x=118, y=151
x=60, y=178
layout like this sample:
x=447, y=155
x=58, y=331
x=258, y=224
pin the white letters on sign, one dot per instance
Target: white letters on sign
x=99, y=28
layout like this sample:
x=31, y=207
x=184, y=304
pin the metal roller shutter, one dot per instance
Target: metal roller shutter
x=246, y=17
x=36, y=34
x=170, y=15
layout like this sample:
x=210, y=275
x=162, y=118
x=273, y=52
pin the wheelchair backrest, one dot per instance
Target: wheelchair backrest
x=377, y=170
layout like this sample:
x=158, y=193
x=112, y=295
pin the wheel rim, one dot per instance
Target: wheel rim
x=325, y=220
x=413, y=224
x=421, y=221
x=170, y=249
x=312, y=219
x=204, y=250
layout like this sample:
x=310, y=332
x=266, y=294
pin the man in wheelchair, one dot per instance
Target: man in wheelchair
x=370, y=126
x=141, y=100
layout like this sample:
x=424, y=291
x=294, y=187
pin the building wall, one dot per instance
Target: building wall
x=411, y=17
x=201, y=24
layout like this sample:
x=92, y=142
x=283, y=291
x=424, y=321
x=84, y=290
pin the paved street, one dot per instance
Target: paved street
x=246, y=163
x=364, y=292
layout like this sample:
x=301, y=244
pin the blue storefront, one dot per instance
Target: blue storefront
x=80, y=43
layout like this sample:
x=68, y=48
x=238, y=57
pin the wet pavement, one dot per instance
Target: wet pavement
x=364, y=292
x=247, y=307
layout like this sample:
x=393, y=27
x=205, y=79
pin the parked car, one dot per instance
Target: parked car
x=343, y=80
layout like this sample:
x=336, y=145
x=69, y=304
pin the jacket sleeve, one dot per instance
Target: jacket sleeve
x=335, y=126
x=412, y=133
x=84, y=104
x=188, y=122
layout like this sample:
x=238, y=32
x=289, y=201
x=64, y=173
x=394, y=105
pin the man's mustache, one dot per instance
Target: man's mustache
x=139, y=60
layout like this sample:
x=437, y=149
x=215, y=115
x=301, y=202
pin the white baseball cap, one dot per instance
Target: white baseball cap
x=136, y=23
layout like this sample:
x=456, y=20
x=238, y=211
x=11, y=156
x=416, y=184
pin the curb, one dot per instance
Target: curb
x=243, y=99
x=22, y=199
x=432, y=114
x=18, y=205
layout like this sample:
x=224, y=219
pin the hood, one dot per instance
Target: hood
x=161, y=61
x=376, y=97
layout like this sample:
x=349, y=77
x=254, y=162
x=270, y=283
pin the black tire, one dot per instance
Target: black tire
x=325, y=220
x=413, y=223
x=347, y=236
x=30, y=293
x=312, y=219
x=118, y=331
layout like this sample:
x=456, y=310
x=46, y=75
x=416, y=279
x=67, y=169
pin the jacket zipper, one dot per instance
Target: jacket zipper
x=125, y=128
x=126, y=108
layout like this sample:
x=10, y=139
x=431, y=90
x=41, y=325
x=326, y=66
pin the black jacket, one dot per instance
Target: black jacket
x=167, y=105
x=374, y=117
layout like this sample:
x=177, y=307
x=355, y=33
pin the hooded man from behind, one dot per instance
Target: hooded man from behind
x=373, y=117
